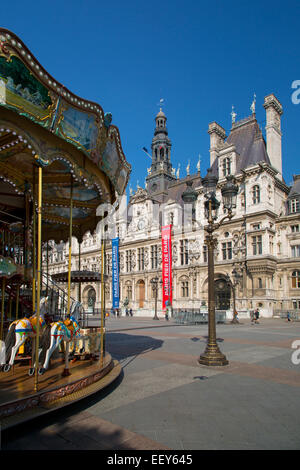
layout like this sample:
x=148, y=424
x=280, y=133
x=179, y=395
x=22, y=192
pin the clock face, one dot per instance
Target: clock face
x=141, y=224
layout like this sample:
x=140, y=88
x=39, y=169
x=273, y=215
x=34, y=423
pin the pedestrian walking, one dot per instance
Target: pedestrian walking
x=288, y=317
x=256, y=316
x=130, y=312
x=126, y=311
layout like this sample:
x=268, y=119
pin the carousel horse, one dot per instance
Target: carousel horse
x=18, y=332
x=67, y=331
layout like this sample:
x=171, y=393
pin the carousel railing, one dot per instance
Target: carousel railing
x=58, y=299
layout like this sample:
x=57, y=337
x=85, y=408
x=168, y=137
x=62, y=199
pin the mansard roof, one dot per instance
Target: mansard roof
x=295, y=189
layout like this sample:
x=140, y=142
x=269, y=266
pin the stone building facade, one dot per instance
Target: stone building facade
x=261, y=242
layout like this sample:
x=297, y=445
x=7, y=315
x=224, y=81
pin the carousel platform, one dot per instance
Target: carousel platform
x=19, y=403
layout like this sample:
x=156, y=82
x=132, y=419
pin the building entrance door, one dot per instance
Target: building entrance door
x=222, y=294
x=141, y=293
x=91, y=300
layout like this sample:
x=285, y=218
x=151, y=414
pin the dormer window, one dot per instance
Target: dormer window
x=226, y=166
x=294, y=205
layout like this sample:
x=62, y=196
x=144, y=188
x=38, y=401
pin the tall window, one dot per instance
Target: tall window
x=128, y=261
x=295, y=228
x=271, y=245
x=295, y=251
x=205, y=253
x=184, y=288
x=296, y=279
x=257, y=245
x=141, y=259
x=184, y=252
x=226, y=166
x=154, y=258
x=227, y=250
x=107, y=263
x=129, y=292
x=171, y=218
x=256, y=194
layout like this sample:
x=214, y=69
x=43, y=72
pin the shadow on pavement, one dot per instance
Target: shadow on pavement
x=122, y=345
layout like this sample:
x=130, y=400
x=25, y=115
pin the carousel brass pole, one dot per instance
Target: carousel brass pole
x=79, y=269
x=17, y=302
x=38, y=296
x=102, y=300
x=47, y=268
x=2, y=308
x=70, y=247
x=33, y=244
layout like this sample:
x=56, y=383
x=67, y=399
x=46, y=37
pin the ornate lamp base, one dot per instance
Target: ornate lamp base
x=213, y=357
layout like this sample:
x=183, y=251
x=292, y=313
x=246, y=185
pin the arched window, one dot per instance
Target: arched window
x=296, y=280
x=226, y=166
x=260, y=284
x=256, y=194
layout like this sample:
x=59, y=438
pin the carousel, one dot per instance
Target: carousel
x=60, y=161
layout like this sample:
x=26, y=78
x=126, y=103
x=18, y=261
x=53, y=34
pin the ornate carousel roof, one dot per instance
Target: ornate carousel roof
x=43, y=124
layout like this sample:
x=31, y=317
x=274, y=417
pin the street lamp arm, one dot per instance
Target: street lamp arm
x=214, y=226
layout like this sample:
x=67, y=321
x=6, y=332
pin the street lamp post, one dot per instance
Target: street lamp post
x=236, y=280
x=212, y=355
x=154, y=283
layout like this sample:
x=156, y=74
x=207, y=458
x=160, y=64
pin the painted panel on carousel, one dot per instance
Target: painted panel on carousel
x=79, y=128
x=23, y=91
x=79, y=194
x=64, y=212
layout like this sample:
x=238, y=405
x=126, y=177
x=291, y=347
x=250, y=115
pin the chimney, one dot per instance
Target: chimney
x=273, y=131
x=217, y=138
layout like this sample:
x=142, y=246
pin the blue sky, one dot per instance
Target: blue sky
x=201, y=57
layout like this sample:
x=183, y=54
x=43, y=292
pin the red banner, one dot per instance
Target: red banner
x=166, y=253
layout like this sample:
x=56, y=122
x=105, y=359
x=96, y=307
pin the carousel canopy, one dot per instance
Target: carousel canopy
x=44, y=124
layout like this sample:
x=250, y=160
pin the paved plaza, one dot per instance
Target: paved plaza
x=165, y=400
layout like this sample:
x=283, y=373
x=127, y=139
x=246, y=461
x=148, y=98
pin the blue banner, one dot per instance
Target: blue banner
x=115, y=273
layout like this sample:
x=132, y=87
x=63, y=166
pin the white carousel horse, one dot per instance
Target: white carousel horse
x=76, y=310
x=18, y=332
x=54, y=334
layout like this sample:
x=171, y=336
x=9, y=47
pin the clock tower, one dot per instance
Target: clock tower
x=161, y=173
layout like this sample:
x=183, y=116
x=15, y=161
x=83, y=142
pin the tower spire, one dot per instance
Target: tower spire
x=161, y=172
